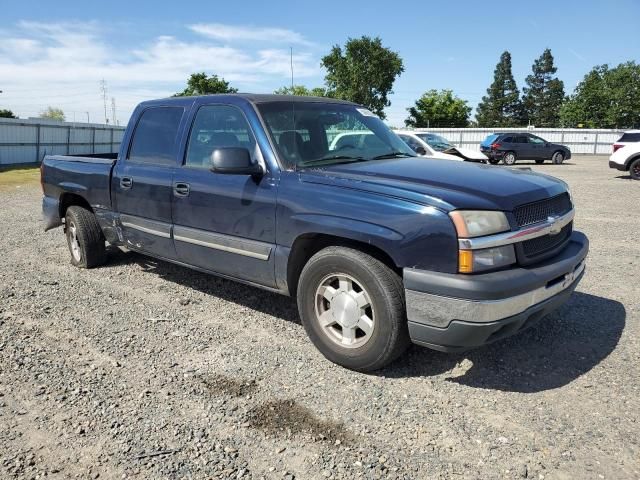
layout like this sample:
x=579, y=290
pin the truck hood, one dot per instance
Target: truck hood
x=442, y=184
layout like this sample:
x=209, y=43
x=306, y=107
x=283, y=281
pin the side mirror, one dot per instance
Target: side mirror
x=420, y=150
x=234, y=161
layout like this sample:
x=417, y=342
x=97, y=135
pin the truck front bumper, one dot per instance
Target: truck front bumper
x=453, y=312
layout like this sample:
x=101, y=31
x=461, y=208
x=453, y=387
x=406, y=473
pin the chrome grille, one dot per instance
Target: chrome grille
x=537, y=247
x=537, y=212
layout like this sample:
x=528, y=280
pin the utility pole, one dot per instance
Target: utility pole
x=103, y=89
x=113, y=111
x=291, y=58
x=87, y=117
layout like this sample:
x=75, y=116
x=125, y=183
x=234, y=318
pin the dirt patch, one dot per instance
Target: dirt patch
x=287, y=417
x=219, y=384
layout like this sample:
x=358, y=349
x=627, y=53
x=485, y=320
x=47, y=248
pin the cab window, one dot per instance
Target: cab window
x=155, y=137
x=217, y=126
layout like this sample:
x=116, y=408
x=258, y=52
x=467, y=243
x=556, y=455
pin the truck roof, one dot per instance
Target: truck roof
x=253, y=98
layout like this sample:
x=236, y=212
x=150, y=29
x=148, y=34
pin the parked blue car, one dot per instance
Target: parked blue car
x=380, y=248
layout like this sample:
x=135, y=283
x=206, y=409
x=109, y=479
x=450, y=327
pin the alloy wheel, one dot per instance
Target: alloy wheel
x=344, y=310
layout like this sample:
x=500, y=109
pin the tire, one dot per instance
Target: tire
x=540, y=161
x=494, y=161
x=557, y=158
x=634, y=169
x=509, y=158
x=366, y=296
x=85, y=239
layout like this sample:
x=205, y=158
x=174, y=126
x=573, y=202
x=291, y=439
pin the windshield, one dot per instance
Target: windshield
x=435, y=141
x=313, y=134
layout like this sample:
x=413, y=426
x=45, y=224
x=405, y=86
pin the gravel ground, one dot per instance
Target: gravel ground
x=144, y=369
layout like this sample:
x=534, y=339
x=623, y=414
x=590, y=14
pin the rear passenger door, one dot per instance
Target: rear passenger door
x=142, y=181
x=522, y=147
x=224, y=223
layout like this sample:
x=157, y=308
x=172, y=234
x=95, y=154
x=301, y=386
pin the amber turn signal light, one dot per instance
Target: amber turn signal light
x=465, y=261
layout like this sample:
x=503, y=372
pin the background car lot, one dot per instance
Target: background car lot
x=145, y=368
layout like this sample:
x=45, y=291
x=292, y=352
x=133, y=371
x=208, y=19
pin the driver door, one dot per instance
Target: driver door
x=224, y=223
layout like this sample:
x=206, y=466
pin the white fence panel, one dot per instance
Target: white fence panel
x=28, y=141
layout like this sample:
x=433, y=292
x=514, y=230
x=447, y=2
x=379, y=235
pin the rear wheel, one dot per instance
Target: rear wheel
x=509, y=158
x=352, y=308
x=557, y=158
x=634, y=169
x=84, y=238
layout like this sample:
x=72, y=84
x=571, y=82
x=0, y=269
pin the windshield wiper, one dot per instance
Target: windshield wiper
x=330, y=159
x=394, y=154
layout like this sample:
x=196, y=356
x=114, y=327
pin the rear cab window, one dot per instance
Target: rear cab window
x=155, y=136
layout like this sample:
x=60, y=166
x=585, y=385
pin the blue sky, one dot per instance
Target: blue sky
x=55, y=53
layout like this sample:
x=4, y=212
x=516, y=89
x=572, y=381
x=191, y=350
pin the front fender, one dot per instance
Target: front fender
x=412, y=235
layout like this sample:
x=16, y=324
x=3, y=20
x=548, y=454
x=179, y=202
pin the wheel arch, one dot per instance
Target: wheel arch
x=68, y=199
x=633, y=158
x=308, y=244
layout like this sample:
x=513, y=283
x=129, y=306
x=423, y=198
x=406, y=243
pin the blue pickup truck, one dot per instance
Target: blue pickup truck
x=380, y=247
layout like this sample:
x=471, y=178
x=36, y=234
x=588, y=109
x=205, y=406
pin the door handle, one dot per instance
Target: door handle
x=126, y=182
x=181, y=189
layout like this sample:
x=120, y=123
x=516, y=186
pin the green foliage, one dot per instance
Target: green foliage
x=201, y=84
x=6, y=114
x=438, y=109
x=301, y=90
x=605, y=98
x=53, y=114
x=544, y=94
x=364, y=73
x=501, y=107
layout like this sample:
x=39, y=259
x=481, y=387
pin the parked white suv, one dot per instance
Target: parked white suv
x=628, y=138
x=627, y=159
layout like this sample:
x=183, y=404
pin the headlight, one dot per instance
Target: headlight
x=473, y=261
x=476, y=223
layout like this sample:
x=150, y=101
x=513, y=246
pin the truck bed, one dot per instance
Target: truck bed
x=88, y=176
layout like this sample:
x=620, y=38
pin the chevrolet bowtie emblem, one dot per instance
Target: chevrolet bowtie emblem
x=554, y=227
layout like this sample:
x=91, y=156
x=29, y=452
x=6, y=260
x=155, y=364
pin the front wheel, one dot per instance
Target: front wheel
x=634, y=169
x=557, y=158
x=84, y=238
x=509, y=158
x=352, y=308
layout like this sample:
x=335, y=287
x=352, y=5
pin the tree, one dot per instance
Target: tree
x=301, y=90
x=544, y=94
x=53, y=114
x=364, y=72
x=439, y=109
x=501, y=107
x=6, y=114
x=201, y=84
x=605, y=98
